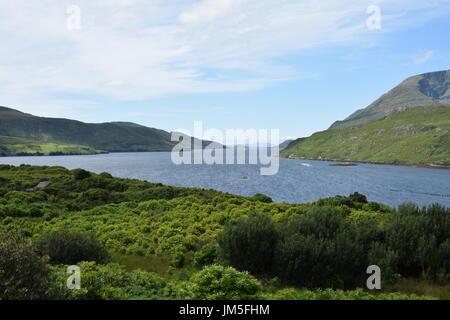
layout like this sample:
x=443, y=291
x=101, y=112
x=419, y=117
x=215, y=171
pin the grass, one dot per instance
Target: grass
x=420, y=287
x=12, y=146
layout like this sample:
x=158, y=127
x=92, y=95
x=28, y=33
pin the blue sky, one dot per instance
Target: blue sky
x=293, y=65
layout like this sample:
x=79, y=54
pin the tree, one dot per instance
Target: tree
x=70, y=247
x=248, y=244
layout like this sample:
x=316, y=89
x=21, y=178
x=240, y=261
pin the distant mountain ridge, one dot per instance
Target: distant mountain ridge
x=425, y=90
x=65, y=134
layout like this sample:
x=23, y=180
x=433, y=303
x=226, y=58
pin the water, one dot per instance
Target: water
x=298, y=181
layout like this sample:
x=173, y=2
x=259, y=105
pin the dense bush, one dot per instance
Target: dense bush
x=216, y=282
x=207, y=255
x=248, y=244
x=261, y=198
x=421, y=237
x=80, y=174
x=70, y=247
x=24, y=275
x=319, y=249
x=113, y=282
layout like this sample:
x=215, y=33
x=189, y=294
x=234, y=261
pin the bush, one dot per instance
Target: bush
x=206, y=255
x=70, y=247
x=248, y=244
x=24, y=275
x=224, y=283
x=80, y=174
x=261, y=198
x=319, y=249
x=419, y=237
x=113, y=282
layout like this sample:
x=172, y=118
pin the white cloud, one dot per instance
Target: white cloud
x=427, y=55
x=136, y=49
x=209, y=10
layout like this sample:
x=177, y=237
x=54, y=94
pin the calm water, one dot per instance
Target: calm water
x=298, y=181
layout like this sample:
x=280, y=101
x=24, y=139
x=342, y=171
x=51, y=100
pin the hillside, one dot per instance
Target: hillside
x=137, y=240
x=48, y=135
x=11, y=146
x=429, y=89
x=113, y=137
x=417, y=136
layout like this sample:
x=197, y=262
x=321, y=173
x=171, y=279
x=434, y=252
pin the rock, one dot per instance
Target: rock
x=41, y=185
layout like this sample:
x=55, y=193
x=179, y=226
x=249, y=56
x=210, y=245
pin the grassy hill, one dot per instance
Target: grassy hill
x=429, y=89
x=50, y=136
x=11, y=146
x=113, y=137
x=419, y=136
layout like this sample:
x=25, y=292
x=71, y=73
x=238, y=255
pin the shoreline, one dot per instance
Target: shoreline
x=411, y=165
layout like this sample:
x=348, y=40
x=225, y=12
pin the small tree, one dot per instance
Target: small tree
x=248, y=244
x=71, y=247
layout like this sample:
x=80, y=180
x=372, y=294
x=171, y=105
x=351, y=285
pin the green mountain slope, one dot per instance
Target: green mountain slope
x=429, y=89
x=113, y=137
x=419, y=136
x=11, y=146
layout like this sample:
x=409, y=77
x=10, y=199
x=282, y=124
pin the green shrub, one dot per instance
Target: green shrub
x=217, y=282
x=24, y=275
x=70, y=247
x=248, y=244
x=80, y=174
x=261, y=198
x=207, y=255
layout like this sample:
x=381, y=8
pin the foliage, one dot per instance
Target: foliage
x=24, y=274
x=206, y=255
x=261, y=197
x=330, y=294
x=248, y=244
x=70, y=247
x=325, y=244
x=217, y=282
x=113, y=282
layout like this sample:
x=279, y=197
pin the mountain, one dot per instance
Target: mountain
x=414, y=136
x=74, y=137
x=425, y=90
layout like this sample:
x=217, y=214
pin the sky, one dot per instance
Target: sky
x=293, y=65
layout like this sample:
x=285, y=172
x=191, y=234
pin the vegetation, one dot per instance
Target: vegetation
x=418, y=136
x=139, y=240
x=69, y=247
x=47, y=134
x=23, y=134
x=11, y=146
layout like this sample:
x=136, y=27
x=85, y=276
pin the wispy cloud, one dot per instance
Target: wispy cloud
x=427, y=55
x=136, y=49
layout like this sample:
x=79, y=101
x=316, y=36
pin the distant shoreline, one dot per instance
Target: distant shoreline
x=411, y=165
